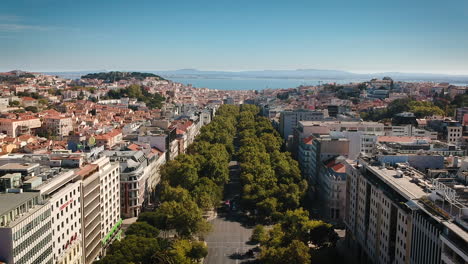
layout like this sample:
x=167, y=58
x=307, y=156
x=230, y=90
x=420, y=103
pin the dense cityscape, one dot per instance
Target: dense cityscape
x=130, y=167
x=233, y=132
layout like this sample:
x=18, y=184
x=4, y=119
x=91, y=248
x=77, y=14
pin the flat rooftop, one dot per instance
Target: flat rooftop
x=347, y=123
x=19, y=166
x=403, y=185
x=11, y=175
x=9, y=201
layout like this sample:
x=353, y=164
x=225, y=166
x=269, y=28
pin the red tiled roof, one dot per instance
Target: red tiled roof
x=134, y=147
x=339, y=168
x=308, y=140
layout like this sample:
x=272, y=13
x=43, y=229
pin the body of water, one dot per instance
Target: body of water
x=252, y=83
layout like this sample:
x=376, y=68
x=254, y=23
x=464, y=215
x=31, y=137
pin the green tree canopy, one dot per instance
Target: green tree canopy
x=142, y=229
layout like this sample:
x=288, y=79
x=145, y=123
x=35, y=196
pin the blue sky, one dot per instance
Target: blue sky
x=359, y=36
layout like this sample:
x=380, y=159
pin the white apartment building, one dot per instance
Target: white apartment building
x=359, y=142
x=306, y=128
x=58, y=125
x=63, y=193
x=290, y=119
x=25, y=228
x=109, y=174
x=91, y=213
x=100, y=207
x=391, y=216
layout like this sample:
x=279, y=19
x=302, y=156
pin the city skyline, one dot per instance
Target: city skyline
x=364, y=37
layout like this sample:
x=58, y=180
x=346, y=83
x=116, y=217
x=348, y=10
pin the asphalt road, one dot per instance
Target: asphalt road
x=227, y=242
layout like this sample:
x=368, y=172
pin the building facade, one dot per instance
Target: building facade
x=25, y=229
x=100, y=207
x=289, y=120
x=397, y=215
x=58, y=125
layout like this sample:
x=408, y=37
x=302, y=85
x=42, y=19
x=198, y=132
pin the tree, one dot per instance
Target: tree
x=132, y=249
x=216, y=163
x=422, y=109
x=152, y=218
x=184, y=217
x=460, y=100
x=31, y=109
x=296, y=224
x=43, y=101
x=297, y=252
x=81, y=95
x=14, y=103
x=259, y=234
x=321, y=233
x=206, y=193
x=198, y=251
x=183, y=171
x=272, y=255
x=92, y=90
x=267, y=207
x=187, y=252
x=177, y=194
x=142, y=229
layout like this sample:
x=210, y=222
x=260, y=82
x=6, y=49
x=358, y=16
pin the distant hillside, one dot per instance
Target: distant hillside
x=313, y=74
x=115, y=76
x=15, y=77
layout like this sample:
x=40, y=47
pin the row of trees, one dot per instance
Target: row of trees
x=143, y=244
x=191, y=184
x=271, y=179
x=293, y=238
x=272, y=192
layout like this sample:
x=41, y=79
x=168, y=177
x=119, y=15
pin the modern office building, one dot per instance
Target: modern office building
x=289, y=120
x=361, y=135
x=91, y=214
x=100, y=206
x=397, y=215
x=63, y=193
x=25, y=228
x=109, y=174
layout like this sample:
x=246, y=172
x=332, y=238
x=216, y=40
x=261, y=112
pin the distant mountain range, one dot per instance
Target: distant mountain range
x=291, y=74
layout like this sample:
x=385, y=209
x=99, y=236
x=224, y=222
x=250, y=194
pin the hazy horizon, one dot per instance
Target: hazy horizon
x=239, y=71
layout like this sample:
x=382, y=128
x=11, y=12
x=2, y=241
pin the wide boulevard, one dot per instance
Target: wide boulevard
x=228, y=241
